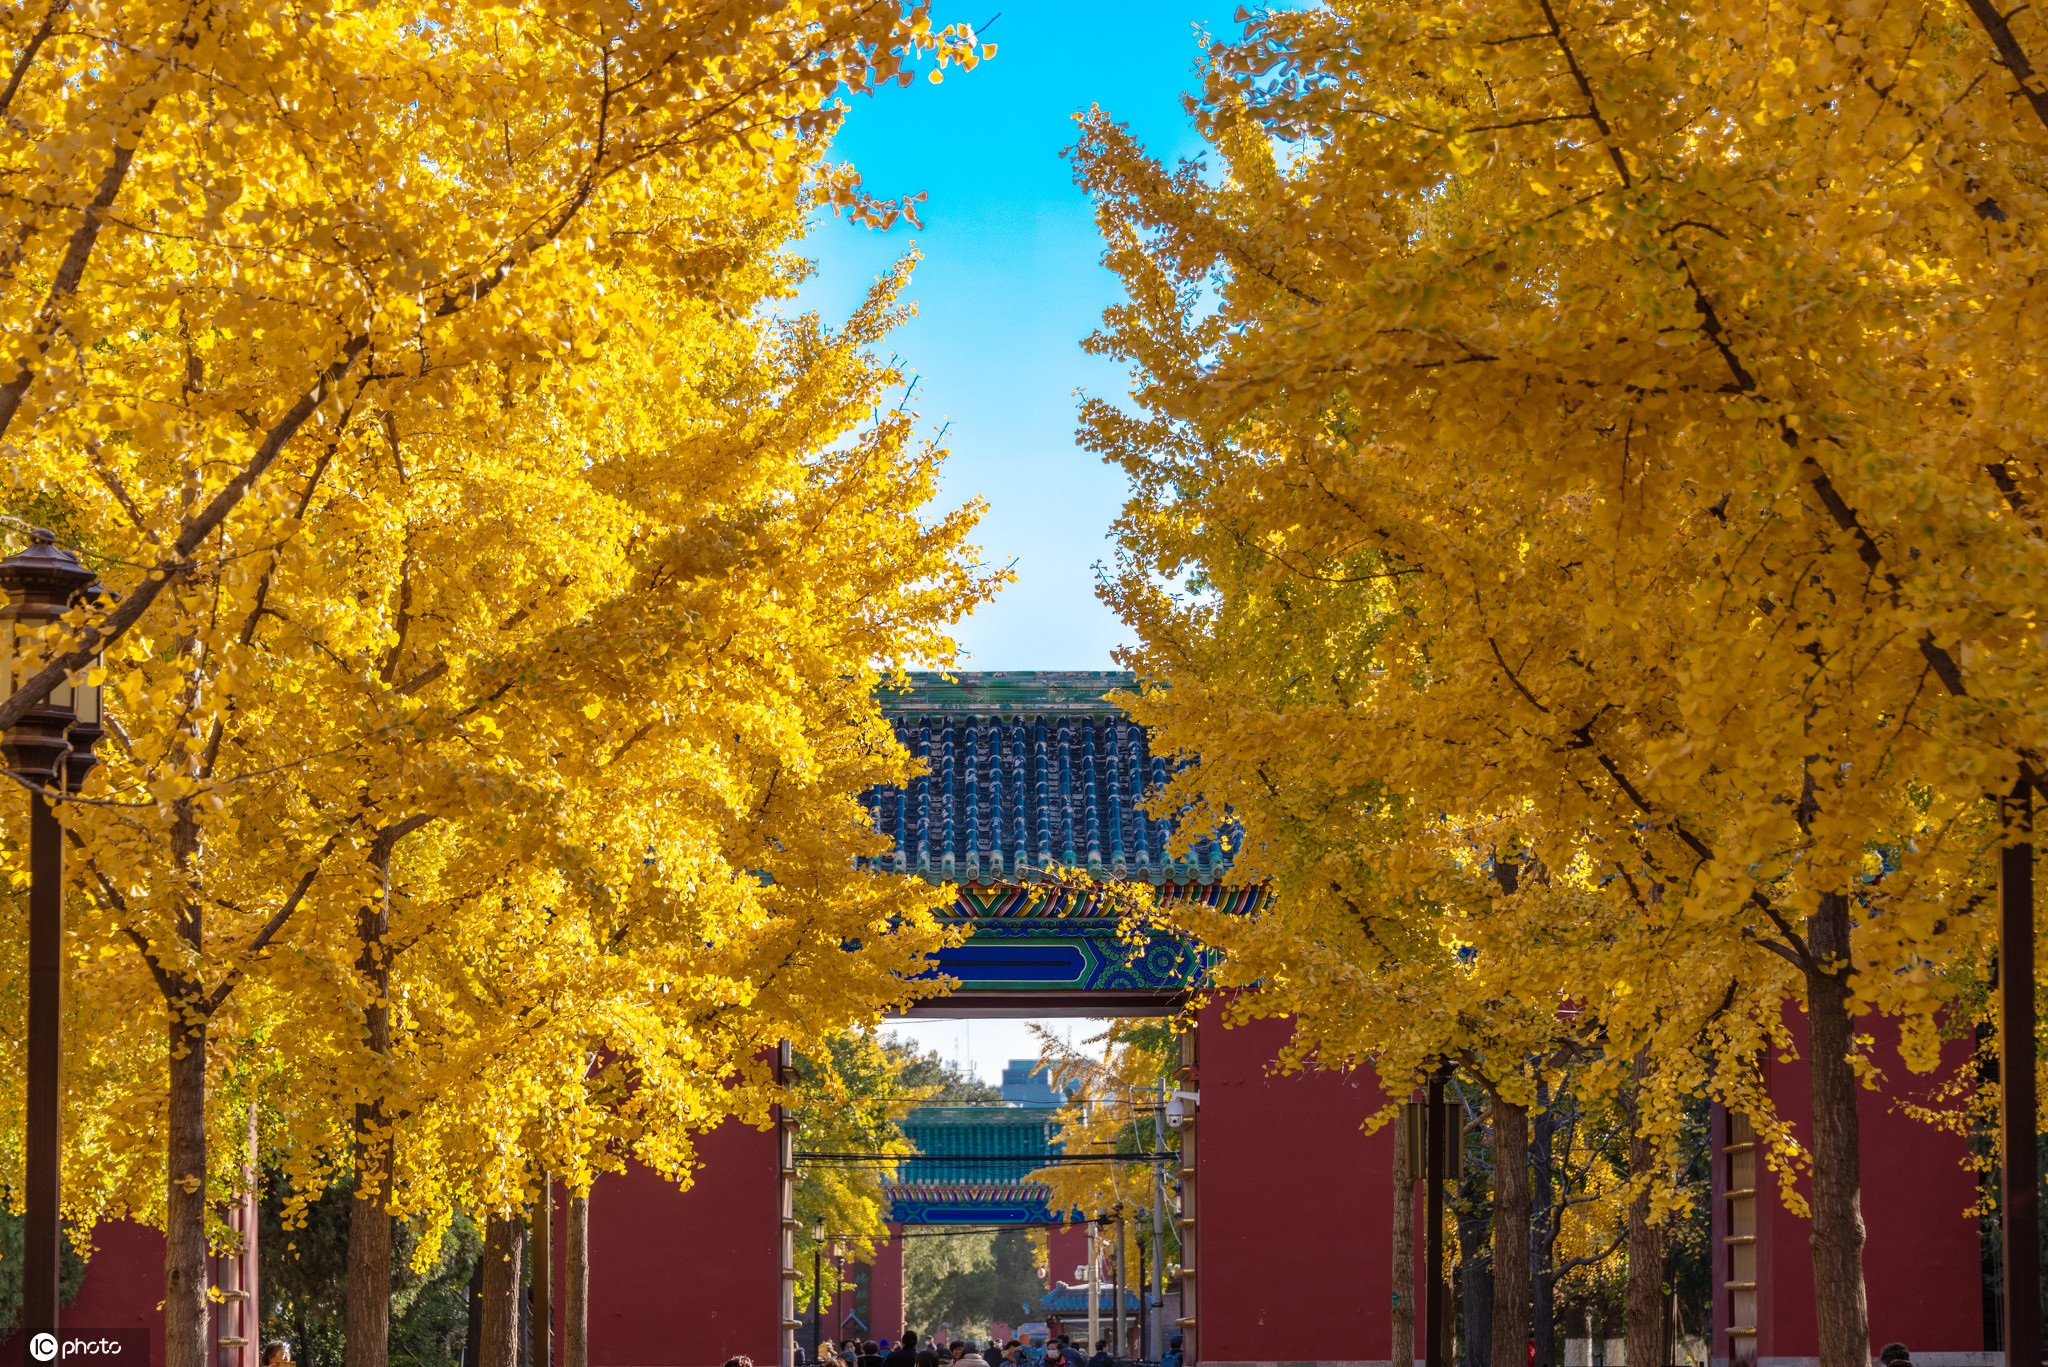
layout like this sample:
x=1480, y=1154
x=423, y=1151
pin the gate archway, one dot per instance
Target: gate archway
x=1032, y=773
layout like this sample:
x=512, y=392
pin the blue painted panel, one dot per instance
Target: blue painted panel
x=913, y=1211
x=1014, y=961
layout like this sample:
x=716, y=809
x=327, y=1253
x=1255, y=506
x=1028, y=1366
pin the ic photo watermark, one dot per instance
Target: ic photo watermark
x=129, y=1347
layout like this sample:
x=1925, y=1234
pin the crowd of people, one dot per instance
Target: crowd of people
x=1057, y=1351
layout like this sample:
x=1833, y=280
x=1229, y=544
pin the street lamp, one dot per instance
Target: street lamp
x=42, y=583
x=838, y=1285
x=817, y=1278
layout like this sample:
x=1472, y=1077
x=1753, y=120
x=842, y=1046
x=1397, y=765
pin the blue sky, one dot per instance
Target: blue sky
x=1010, y=283
x=982, y=1047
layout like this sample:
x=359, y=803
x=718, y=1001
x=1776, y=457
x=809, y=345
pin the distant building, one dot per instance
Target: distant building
x=1069, y=1304
x=1025, y=1083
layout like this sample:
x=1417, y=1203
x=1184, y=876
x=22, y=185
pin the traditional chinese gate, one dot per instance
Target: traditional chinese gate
x=1031, y=773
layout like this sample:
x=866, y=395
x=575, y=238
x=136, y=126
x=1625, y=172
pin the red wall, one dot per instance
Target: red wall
x=1922, y=1272
x=123, y=1286
x=1295, y=1213
x=1295, y=1210
x=688, y=1278
x=677, y=1278
x=1066, y=1249
x=885, y=1289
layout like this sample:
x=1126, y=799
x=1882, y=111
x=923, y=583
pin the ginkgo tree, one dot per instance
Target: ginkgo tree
x=1396, y=938
x=492, y=785
x=226, y=228
x=1675, y=371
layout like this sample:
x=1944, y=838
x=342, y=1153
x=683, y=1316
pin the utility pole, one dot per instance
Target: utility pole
x=838, y=1286
x=1155, y=1306
x=1120, y=1344
x=1094, y=1285
x=576, y=1295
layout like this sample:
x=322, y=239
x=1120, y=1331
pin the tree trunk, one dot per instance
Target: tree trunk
x=368, y=1307
x=1511, y=1290
x=1476, y=1272
x=1404, y=1247
x=185, y=1270
x=1447, y=1318
x=368, y=1299
x=503, y=1267
x=1645, y=1318
x=473, y=1338
x=1840, y=1311
x=185, y=1279
x=1543, y=1228
x=576, y=1304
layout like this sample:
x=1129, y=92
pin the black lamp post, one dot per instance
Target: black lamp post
x=41, y=584
x=817, y=1279
x=838, y=1286
x=1435, y=1156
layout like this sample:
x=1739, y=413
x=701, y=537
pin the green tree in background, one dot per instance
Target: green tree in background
x=946, y=1280
x=304, y=1277
x=1018, y=1285
x=13, y=1234
x=969, y=1280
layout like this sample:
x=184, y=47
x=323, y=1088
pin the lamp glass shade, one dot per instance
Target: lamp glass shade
x=78, y=697
x=817, y=1231
x=85, y=696
x=24, y=651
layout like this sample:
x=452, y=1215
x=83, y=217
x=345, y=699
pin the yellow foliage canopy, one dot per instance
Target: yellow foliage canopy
x=1587, y=515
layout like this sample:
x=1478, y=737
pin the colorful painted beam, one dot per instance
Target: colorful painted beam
x=973, y=1203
